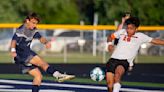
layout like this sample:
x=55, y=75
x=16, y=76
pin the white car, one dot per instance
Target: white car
x=62, y=39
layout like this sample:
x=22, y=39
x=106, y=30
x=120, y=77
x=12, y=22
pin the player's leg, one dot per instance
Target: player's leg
x=37, y=79
x=110, y=81
x=36, y=60
x=110, y=70
x=117, y=78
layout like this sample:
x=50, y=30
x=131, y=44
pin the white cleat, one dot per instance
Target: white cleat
x=64, y=77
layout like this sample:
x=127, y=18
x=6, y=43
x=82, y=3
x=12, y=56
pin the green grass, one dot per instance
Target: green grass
x=150, y=59
x=81, y=58
x=80, y=80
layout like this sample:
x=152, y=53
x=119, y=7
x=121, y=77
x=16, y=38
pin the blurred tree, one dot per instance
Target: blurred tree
x=150, y=12
x=8, y=13
x=51, y=11
x=86, y=10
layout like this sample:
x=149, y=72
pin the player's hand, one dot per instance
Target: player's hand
x=48, y=45
x=125, y=18
x=110, y=48
x=13, y=54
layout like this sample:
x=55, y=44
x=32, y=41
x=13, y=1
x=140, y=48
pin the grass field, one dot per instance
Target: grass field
x=81, y=58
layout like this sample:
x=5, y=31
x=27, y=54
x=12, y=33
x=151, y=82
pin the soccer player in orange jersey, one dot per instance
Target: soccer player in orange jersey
x=126, y=50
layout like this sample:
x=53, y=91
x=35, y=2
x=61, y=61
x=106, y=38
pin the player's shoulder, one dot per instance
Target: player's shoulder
x=140, y=34
x=20, y=29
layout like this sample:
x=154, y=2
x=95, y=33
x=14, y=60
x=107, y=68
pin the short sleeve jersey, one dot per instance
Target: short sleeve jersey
x=127, y=47
x=24, y=38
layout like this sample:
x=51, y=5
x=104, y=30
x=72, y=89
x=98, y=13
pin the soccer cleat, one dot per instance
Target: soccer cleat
x=64, y=77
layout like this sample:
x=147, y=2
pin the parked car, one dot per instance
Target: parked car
x=64, y=38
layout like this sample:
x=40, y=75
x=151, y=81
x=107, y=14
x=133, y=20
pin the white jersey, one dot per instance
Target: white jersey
x=127, y=47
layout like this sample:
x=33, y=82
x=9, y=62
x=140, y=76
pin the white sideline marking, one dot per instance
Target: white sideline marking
x=27, y=90
x=55, y=84
x=72, y=86
x=6, y=86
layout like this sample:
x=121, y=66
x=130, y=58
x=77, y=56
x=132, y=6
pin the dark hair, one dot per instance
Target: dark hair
x=33, y=16
x=133, y=20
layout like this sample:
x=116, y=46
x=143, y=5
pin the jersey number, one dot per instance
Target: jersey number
x=127, y=39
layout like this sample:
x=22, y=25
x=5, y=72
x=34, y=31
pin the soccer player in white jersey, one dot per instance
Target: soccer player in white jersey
x=126, y=50
x=29, y=61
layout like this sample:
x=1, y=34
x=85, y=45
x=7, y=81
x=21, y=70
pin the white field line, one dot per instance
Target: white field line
x=6, y=86
x=75, y=86
x=27, y=90
x=55, y=84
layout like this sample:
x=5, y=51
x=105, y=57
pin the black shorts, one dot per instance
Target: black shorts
x=113, y=63
x=23, y=60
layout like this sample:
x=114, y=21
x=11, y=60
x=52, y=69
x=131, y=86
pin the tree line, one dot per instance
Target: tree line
x=150, y=12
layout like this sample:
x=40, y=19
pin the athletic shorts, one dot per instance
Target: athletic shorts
x=24, y=59
x=113, y=63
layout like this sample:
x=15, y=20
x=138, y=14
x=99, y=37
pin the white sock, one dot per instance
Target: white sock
x=56, y=74
x=116, y=87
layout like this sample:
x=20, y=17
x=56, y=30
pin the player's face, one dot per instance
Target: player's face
x=131, y=29
x=31, y=23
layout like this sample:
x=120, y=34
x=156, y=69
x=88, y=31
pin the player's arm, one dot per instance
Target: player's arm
x=13, y=46
x=120, y=26
x=157, y=41
x=124, y=18
x=110, y=42
x=44, y=41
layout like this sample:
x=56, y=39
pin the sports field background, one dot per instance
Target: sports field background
x=88, y=23
x=75, y=55
x=82, y=58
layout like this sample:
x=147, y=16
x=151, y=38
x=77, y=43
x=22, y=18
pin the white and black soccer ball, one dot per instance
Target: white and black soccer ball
x=97, y=74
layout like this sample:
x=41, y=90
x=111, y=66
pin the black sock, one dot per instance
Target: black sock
x=35, y=88
x=50, y=70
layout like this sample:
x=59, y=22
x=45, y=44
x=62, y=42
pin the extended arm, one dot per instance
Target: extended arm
x=120, y=26
x=44, y=41
x=157, y=41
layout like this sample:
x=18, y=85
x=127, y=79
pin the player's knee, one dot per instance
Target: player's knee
x=117, y=77
x=44, y=65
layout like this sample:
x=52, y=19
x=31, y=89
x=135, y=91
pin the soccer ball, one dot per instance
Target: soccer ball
x=97, y=74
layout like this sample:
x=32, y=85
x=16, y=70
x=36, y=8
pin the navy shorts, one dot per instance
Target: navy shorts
x=113, y=63
x=23, y=60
